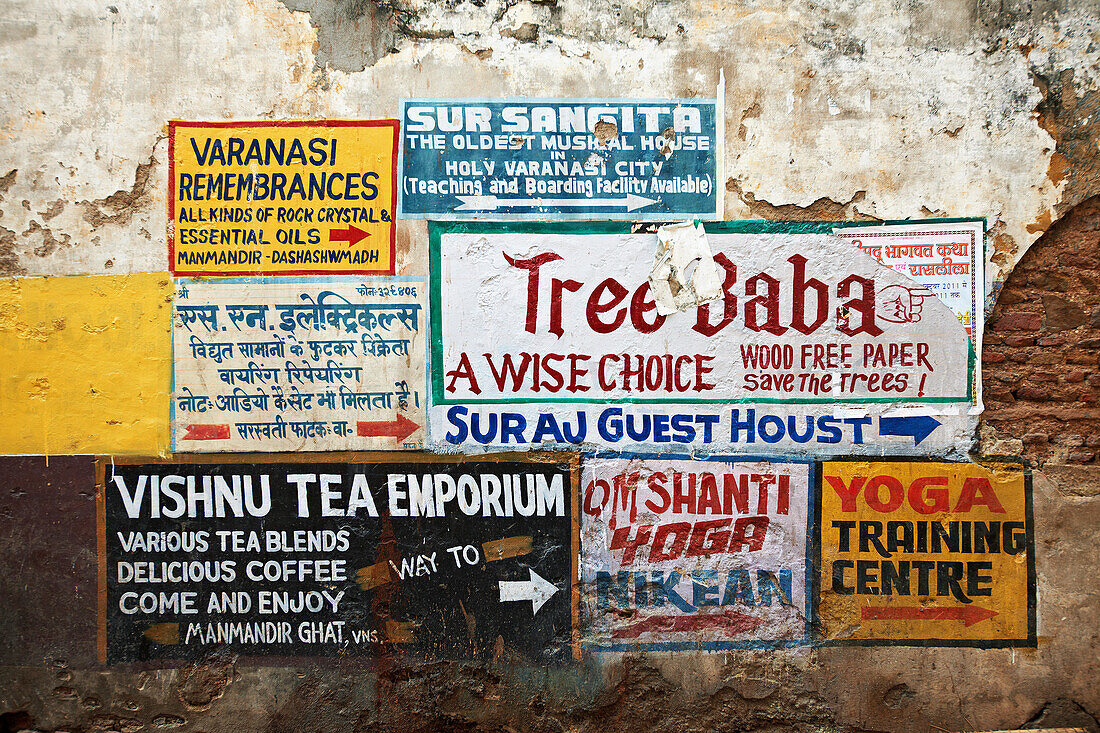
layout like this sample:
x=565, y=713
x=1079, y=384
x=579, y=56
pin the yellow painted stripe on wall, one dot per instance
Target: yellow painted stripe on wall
x=85, y=364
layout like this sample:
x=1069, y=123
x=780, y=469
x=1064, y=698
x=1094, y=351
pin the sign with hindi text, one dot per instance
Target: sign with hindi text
x=803, y=347
x=704, y=554
x=298, y=364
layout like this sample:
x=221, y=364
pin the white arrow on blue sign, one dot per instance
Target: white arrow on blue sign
x=492, y=203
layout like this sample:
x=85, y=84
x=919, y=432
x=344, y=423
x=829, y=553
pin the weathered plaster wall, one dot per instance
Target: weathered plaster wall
x=50, y=680
x=834, y=110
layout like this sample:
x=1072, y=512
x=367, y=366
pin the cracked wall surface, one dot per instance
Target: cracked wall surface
x=864, y=109
x=833, y=110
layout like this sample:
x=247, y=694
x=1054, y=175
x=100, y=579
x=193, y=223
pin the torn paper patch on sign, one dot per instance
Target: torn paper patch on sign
x=947, y=258
x=674, y=290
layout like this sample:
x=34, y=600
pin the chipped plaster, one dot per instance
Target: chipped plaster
x=890, y=111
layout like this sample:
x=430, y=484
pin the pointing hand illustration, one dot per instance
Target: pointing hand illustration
x=899, y=304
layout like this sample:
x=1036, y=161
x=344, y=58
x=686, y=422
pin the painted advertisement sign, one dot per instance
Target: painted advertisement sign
x=572, y=158
x=424, y=556
x=805, y=349
x=948, y=259
x=926, y=553
x=695, y=554
x=286, y=197
x=298, y=364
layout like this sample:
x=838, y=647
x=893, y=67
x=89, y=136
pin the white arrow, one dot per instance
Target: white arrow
x=537, y=590
x=491, y=203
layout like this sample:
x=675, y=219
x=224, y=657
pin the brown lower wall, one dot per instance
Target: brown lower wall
x=49, y=679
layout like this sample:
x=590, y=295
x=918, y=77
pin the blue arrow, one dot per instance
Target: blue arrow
x=917, y=426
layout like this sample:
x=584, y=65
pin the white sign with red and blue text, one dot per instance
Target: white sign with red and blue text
x=694, y=554
x=551, y=335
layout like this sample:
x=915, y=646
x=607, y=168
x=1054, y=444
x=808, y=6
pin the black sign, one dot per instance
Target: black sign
x=442, y=559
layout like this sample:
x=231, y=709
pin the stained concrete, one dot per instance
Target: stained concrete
x=834, y=109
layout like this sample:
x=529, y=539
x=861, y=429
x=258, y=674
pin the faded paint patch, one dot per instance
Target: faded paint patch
x=9, y=260
x=49, y=243
x=118, y=208
x=87, y=364
x=7, y=181
x=1064, y=62
x=351, y=34
x=201, y=684
x=40, y=388
x=605, y=131
x=822, y=209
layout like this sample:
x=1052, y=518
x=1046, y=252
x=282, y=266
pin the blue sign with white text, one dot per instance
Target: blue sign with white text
x=575, y=159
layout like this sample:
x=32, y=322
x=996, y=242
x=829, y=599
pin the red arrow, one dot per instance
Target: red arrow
x=969, y=615
x=731, y=623
x=206, y=432
x=351, y=235
x=400, y=428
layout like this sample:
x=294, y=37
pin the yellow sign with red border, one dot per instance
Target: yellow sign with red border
x=282, y=198
x=926, y=553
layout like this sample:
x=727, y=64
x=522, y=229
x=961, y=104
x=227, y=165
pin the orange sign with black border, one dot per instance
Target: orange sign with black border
x=925, y=553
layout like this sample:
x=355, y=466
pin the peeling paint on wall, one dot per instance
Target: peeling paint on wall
x=836, y=110
x=920, y=113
